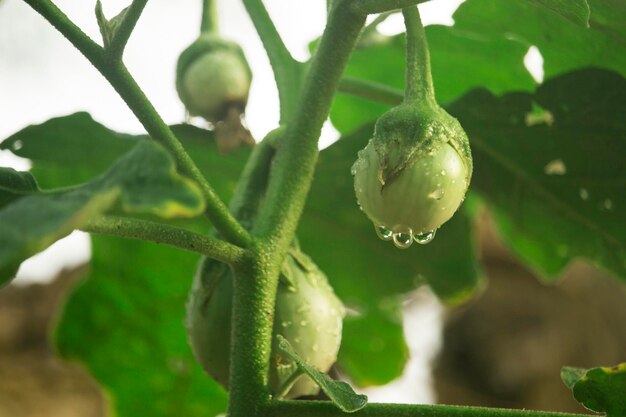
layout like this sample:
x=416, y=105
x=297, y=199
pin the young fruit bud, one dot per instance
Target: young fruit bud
x=308, y=314
x=412, y=176
x=213, y=81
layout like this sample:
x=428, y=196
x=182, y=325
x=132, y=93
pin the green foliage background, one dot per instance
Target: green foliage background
x=125, y=319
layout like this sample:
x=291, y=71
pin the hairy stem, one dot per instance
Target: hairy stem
x=291, y=176
x=166, y=234
x=370, y=90
x=328, y=409
x=254, y=299
x=116, y=49
x=294, y=164
x=287, y=71
x=419, y=81
x=209, y=22
x=121, y=80
x=253, y=182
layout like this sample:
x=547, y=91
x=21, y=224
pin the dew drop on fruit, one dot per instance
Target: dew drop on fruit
x=436, y=195
x=403, y=240
x=424, y=238
x=383, y=232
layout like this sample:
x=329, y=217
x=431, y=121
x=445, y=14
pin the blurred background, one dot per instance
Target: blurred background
x=491, y=351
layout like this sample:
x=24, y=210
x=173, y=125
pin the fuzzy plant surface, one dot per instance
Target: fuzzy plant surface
x=239, y=279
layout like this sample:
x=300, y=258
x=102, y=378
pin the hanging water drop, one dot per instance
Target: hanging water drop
x=383, y=232
x=424, y=238
x=403, y=240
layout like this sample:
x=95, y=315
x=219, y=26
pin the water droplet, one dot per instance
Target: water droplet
x=403, y=240
x=608, y=204
x=424, y=238
x=584, y=194
x=17, y=145
x=555, y=167
x=384, y=233
x=436, y=195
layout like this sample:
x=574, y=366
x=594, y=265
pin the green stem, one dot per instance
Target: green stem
x=370, y=90
x=209, y=22
x=116, y=49
x=254, y=299
x=294, y=164
x=373, y=26
x=166, y=234
x=381, y=6
x=419, y=81
x=292, y=173
x=121, y=80
x=253, y=181
x=328, y=409
x=287, y=71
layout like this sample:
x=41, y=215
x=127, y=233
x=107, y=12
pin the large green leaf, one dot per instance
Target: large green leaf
x=368, y=273
x=72, y=149
x=551, y=166
x=576, y=11
x=599, y=389
x=565, y=46
x=143, y=181
x=461, y=60
x=125, y=323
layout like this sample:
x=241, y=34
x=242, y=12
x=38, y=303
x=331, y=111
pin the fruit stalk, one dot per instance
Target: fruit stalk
x=419, y=81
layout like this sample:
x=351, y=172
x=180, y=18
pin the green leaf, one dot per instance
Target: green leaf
x=125, y=324
x=576, y=11
x=564, y=46
x=143, y=181
x=339, y=392
x=555, y=179
x=108, y=27
x=599, y=389
x=15, y=185
x=72, y=149
x=369, y=274
x=461, y=60
x=69, y=150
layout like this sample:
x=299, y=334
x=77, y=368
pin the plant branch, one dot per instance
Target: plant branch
x=419, y=81
x=370, y=90
x=294, y=164
x=291, y=175
x=328, y=409
x=166, y=234
x=382, y=6
x=116, y=49
x=287, y=71
x=209, y=23
x=253, y=180
x=121, y=80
